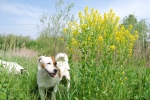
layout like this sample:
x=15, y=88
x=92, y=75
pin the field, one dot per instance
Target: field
x=105, y=61
x=88, y=83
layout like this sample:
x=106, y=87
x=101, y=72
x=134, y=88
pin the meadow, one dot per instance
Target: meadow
x=105, y=63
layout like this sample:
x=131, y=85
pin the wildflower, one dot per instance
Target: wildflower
x=67, y=48
x=117, y=19
x=123, y=72
x=105, y=16
x=117, y=39
x=130, y=55
x=125, y=78
x=80, y=14
x=96, y=31
x=64, y=29
x=130, y=50
x=74, y=42
x=132, y=38
x=92, y=10
x=130, y=27
x=136, y=34
x=86, y=9
x=113, y=47
x=100, y=38
x=61, y=38
x=111, y=11
x=89, y=38
x=130, y=45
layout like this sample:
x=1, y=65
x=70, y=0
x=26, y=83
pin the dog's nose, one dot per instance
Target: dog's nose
x=55, y=70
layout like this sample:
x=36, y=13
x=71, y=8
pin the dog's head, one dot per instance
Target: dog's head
x=48, y=64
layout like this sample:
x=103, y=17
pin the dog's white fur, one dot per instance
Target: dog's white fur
x=48, y=77
x=62, y=64
x=12, y=67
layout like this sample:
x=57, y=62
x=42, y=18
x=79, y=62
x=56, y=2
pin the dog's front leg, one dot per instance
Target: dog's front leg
x=42, y=93
x=54, y=92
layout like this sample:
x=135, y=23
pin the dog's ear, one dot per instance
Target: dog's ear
x=39, y=59
x=54, y=61
x=22, y=70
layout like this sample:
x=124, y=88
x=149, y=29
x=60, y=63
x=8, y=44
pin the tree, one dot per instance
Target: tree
x=129, y=20
x=140, y=26
x=51, y=28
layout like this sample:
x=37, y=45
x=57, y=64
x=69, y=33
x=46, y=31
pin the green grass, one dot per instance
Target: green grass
x=92, y=83
x=16, y=87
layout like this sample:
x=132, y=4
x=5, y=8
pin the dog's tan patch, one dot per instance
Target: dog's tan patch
x=42, y=65
x=54, y=61
x=55, y=64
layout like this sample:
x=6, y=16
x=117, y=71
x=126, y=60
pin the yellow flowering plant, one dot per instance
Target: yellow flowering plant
x=98, y=36
x=103, y=48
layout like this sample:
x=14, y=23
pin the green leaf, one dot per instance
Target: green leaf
x=2, y=96
x=0, y=86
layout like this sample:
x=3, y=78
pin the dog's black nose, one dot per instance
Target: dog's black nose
x=55, y=70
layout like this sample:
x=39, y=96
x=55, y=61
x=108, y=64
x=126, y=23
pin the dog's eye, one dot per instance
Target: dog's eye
x=49, y=63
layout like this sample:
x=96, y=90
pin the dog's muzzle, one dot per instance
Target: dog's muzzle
x=52, y=74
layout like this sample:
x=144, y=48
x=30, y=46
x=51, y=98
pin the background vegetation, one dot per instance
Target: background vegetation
x=108, y=59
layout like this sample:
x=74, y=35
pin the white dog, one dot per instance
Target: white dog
x=12, y=67
x=50, y=72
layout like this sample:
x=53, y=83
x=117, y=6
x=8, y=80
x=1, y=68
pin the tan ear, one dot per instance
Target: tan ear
x=54, y=61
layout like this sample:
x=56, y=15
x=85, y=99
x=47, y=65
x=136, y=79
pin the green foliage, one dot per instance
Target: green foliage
x=140, y=26
x=99, y=82
x=129, y=20
x=17, y=87
x=51, y=28
x=12, y=41
x=46, y=46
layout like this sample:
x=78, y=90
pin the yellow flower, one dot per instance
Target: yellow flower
x=117, y=19
x=89, y=38
x=117, y=39
x=62, y=39
x=125, y=78
x=136, y=34
x=67, y=47
x=92, y=10
x=130, y=27
x=65, y=29
x=86, y=9
x=132, y=38
x=113, y=47
x=80, y=15
x=111, y=11
x=130, y=50
x=74, y=42
x=131, y=45
x=100, y=38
